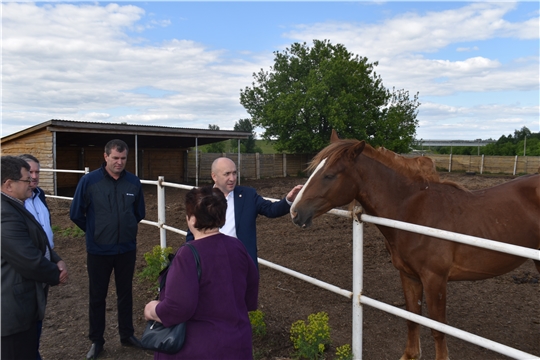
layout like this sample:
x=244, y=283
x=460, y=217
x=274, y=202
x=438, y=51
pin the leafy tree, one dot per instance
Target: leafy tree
x=217, y=147
x=247, y=145
x=310, y=91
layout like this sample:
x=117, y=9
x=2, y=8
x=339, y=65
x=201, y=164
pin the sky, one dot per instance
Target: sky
x=475, y=65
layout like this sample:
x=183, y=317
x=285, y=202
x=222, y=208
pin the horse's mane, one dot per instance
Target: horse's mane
x=418, y=168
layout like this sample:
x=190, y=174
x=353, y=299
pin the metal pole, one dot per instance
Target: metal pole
x=55, y=178
x=136, y=156
x=197, y=161
x=358, y=265
x=161, y=212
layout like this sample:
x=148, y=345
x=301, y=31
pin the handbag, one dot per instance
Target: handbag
x=169, y=340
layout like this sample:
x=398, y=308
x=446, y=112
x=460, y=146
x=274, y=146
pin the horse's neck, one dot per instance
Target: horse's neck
x=382, y=189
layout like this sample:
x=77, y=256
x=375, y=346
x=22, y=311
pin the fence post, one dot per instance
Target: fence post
x=482, y=165
x=284, y=165
x=515, y=165
x=358, y=283
x=161, y=212
x=257, y=166
x=450, y=163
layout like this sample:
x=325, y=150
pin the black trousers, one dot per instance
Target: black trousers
x=20, y=346
x=100, y=268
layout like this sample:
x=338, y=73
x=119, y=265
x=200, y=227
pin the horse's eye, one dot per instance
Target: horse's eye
x=329, y=176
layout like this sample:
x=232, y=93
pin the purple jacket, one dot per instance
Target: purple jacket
x=216, y=308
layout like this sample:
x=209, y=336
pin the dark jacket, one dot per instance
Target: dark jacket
x=247, y=206
x=108, y=211
x=41, y=195
x=26, y=273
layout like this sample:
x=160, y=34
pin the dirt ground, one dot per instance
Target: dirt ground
x=504, y=309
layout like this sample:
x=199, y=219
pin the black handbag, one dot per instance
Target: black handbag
x=169, y=340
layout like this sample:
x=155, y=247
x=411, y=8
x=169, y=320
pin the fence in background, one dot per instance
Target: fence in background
x=257, y=166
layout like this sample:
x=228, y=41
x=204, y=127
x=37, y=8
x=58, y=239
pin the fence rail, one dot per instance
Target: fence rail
x=257, y=166
x=356, y=295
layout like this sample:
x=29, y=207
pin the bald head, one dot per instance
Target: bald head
x=224, y=174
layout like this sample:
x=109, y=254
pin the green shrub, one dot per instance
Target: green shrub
x=258, y=326
x=344, y=352
x=156, y=261
x=311, y=339
x=74, y=231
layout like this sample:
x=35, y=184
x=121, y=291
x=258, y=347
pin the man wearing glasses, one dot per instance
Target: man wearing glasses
x=29, y=265
x=37, y=206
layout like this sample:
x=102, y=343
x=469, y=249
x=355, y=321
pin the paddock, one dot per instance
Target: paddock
x=345, y=293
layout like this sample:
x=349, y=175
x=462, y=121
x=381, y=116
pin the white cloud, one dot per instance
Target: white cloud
x=440, y=121
x=467, y=49
x=77, y=62
x=73, y=61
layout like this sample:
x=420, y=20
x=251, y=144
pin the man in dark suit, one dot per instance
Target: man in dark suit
x=36, y=204
x=29, y=265
x=244, y=205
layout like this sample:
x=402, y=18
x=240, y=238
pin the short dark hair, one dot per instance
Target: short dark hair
x=11, y=167
x=117, y=144
x=208, y=205
x=29, y=157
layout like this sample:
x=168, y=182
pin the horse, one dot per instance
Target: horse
x=391, y=186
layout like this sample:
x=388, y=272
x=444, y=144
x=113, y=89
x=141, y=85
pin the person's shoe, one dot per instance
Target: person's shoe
x=94, y=352
x=131, y=341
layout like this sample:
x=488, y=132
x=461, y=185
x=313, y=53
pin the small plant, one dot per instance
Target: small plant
x=311, y=339
x=344, y=352
x=258, y=326
x=55, y=229
x=156, y=261
x=74, y=231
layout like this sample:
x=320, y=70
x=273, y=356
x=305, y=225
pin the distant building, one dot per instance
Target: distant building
x=74, y=145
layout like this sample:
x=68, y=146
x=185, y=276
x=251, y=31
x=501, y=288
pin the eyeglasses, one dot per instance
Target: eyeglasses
x=26, y=181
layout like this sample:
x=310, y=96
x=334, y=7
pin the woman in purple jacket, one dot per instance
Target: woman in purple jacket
x=215, y=308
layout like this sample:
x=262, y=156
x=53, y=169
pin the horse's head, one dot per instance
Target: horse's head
x=330, y=184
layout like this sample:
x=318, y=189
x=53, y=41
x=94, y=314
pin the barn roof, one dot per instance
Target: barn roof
x=82, y=134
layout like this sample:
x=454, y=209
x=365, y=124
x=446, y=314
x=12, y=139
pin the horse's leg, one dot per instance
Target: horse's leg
x=412, y=289
x=435, y=290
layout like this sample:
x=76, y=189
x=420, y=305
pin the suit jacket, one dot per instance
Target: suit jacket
x=26, y=273
x=247, y=206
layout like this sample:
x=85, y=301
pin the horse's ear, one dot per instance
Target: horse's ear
x=358, y=148
x=334, y=137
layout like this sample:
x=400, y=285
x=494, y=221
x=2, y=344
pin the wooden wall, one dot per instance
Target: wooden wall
x=252, y=166
x=161, y=162
x=40, y=145
x=488, y=164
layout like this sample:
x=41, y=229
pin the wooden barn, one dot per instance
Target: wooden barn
x=72, y=145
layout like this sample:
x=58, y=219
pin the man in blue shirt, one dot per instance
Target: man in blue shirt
x=37, y=206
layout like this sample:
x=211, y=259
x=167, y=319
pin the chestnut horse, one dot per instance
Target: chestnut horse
x=391, y=186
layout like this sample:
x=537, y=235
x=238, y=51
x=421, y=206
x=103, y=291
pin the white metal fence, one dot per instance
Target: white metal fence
x=356, y=294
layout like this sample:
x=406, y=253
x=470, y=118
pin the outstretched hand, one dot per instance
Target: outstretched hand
x=292, y=194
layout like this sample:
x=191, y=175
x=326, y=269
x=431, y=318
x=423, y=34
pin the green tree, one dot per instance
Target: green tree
x=247, y=145
x=310, y=91
x=217, y=147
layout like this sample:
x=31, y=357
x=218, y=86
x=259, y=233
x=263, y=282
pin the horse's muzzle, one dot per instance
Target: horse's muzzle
x=302, y=220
